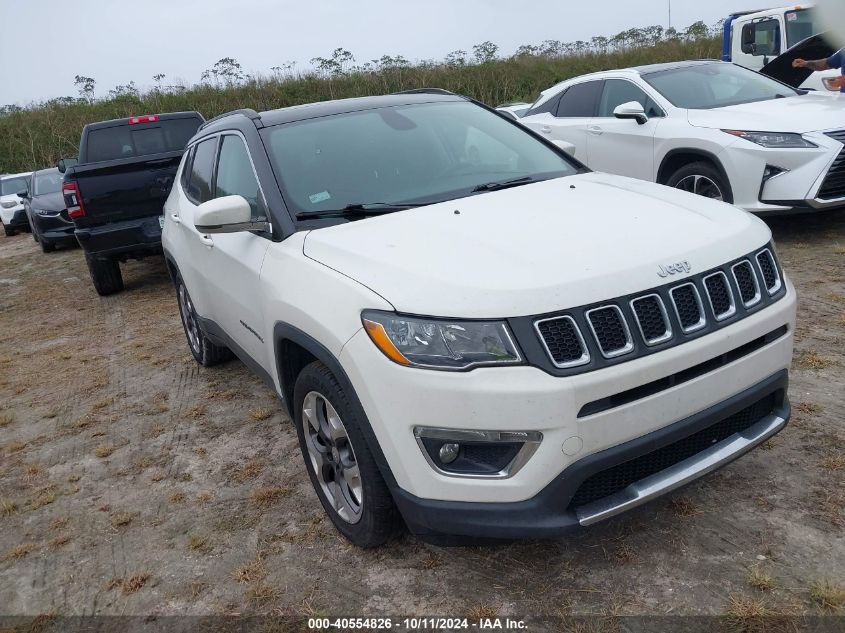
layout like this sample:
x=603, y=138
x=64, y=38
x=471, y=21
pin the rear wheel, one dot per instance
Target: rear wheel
x=702, y=179
x=202, y=349
x=339, y=463
x=105, y=274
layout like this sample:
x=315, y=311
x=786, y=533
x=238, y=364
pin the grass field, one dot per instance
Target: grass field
x=37, y=136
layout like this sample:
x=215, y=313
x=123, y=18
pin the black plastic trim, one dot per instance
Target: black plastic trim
x=545, y=515
x=218, y=336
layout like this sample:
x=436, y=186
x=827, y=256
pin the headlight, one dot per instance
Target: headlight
x=440, y=343
x=781, y=140
x=45, y=212
x=9, y=204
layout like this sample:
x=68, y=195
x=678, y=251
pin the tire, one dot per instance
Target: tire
x=9, y=231
x=35, y=237
x=702, y=178
x=48, y=247
x=360, y=506
x=202, y=349
x=105, y=274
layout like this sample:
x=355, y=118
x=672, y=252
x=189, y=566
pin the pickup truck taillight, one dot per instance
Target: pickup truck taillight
x=73, y=200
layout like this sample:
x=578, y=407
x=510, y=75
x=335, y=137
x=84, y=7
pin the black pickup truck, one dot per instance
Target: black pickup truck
x=116, y=192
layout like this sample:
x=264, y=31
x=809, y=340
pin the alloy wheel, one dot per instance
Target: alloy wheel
x=701, y=186
x=332, y=457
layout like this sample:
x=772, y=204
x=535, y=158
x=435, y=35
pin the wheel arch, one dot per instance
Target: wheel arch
x=294, y=350
x=677, y=158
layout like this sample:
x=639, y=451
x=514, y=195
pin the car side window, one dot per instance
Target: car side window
x=202, y=168
x=580, y=100
x=618, y=91
x=186, y=168
x=235, y=175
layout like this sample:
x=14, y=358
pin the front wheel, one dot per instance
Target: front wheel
x=339, y=463
x=46, y=245
x=202, y=349
x=9, y=231
x=702, y=179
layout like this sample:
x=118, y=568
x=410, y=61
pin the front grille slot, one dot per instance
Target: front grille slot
x=563, y=341
x=771, y=276
x=656, y=386
x=833, y=186
x=688, y=307
x=720, y=296
x=652, y=319
x=611, y=331
x=617, y=478
x=746, y=281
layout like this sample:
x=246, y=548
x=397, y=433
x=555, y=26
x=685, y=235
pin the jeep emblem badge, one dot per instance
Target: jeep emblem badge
x=673, y=269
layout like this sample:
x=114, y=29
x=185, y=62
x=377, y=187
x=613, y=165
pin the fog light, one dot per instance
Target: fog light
x=470, y=453
x=449, y=452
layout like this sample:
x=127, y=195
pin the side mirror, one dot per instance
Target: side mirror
x=23, y=194
x=569, y=148
x=229, y=214
x=631, y=110
x=65, y=163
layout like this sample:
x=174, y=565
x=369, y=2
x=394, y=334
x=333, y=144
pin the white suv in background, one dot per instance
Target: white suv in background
x=708, y=127
x=12, y=211
x=469, y=329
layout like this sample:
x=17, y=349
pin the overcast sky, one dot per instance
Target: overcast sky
x=45, y=43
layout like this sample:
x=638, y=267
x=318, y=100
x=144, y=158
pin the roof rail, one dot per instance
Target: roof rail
x=247, y=112
x=425, y=91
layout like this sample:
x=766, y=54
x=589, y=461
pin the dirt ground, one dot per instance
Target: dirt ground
x=134, y=482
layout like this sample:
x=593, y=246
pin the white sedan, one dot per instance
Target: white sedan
x=708, y=127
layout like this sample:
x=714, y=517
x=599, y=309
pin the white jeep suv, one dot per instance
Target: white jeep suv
x=469, y=329
x=708, y=127
x=12, y=210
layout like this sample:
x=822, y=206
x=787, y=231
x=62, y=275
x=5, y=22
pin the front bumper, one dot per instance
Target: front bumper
x=54, y=228
x=795, y=189
x=130, y=238
x=553, y=512
x=18, y=220
x=8, y=215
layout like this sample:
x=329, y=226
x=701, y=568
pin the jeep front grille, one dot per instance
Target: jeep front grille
x=593, y=336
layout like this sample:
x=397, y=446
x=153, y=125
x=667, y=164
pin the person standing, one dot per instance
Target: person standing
x=834, y=61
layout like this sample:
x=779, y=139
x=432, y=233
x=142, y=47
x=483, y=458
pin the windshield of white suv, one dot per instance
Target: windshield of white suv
x=800, y=24
x=715, y=85
x=47, y=182
x=406, y=155
x=13, y=185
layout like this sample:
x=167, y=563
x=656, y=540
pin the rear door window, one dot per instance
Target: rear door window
x=202, y=168
x=128, y=141
x=580, y=100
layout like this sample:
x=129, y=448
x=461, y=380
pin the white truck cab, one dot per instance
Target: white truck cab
x=754, y=38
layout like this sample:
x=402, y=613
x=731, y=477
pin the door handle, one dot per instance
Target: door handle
x=546, y=129
x=175, y=218
x=205, y=239
x=595, y=130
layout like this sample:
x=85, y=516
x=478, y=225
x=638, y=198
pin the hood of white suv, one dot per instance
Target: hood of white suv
x=536, y=248
x=801, y=114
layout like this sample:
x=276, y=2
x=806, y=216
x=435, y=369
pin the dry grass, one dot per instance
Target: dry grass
x=808, y=408
x=8, y=507
x=625, y=554
x=59, y=523
x=6, y=419
x=20, y=551
x=760, y=579
x=198, y=542
x=811, y=360
x=430, y=562
x=247, y=472
x=198, y=411
x=481, y=611
x=251, y=572
x=266, y=496
x=742, y=610
x=684, y=508
x=103, y=450
x=834, y=462
x=261, y=414
x=262, y=594
x=121, y=519
x=16, y=446
x=177, y=497
x=828, y=595
x=60, y=540
x=43, y=498
x=129, y=585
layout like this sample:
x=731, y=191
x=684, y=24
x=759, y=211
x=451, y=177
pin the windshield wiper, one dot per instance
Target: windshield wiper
x=496, y=186
x=357, y=210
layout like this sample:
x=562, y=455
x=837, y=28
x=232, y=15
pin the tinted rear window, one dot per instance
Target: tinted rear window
x=128, y=141
x=580, y=100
